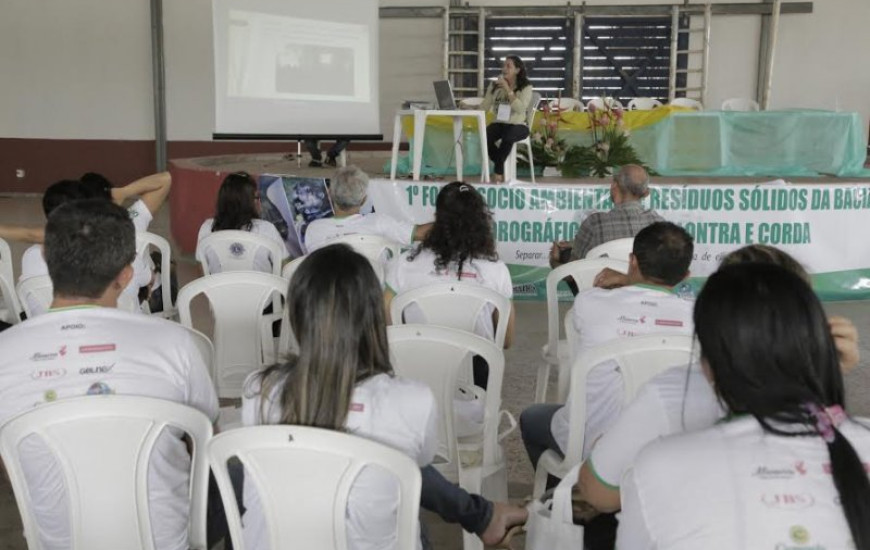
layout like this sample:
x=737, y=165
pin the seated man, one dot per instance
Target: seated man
x=629, y=187
x=647, y=305
x=348, y=191
x=85, y=346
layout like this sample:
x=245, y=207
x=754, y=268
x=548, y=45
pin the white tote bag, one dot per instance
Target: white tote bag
x=550, y=525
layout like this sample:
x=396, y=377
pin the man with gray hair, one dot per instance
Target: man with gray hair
x=348, y=192
x=629, y=186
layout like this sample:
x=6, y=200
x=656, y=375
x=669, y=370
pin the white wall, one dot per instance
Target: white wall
x=76, y=70
x=82, y=69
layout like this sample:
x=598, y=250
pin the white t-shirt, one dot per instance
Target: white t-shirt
x=390, y=410
x=261, y=258
x=33, y=263
x=736, y=486
x=675, y=401
x=601, y=316
x=321, y=231
x=92, y=350
x=403, y=275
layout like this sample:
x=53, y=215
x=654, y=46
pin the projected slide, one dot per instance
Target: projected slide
x=283, y=57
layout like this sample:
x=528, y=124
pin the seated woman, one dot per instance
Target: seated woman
x=459, y=247
x=509, y=98
x=785, y=468
x=342, y=380
x=238, y=208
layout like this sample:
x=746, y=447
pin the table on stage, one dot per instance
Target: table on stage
x=420, y=118
x=680, y=142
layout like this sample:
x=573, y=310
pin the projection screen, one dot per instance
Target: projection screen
x=296, y=68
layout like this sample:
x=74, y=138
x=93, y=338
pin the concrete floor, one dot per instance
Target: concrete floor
x=522, y=361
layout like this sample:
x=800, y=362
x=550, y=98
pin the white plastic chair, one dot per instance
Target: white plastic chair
x=510, y=164
x=374, y=247
x=455, y=305
x=242, y=334
x=600, y=102
x=566, y=104
x=144, y=240
x=304, y=476
x=639, y=359
x=236, y=251
x=556, y=352
x=10, y=309
x=740, y=104
x=436, y=356
x=643, y=104
x=687, y=102
x=290, y=267
x=617, y=248
x=103, y=444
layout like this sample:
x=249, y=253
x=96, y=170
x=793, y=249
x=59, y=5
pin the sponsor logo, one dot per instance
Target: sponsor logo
x=632, y=320
x=73, y=326
x=626, y=332
x=50, y=395
x=96, y=348
x=99, y=369
x=40, y=356
x=237, y=249
x=45, y=374
x=668, y=323
x=100, y=388
x=467, y=275
x=780, y=472
x=787, y=501
x=527, y=289
x=357, y=407
x=649, y=303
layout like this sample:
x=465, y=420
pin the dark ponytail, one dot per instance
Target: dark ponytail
x=767, y=342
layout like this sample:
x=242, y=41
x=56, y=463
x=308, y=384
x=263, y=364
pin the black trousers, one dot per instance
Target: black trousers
x=500, y=137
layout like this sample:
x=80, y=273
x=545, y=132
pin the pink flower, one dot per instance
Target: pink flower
x=591, y=108
x=605, y=120
x=618, y=113
x=549, y=141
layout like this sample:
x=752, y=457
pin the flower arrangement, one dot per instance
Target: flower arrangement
x=610, y=147
x=548, y=149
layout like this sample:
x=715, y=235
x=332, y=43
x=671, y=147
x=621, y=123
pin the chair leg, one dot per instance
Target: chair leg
x=531, y=160
x=510, y=165
x=541, y=383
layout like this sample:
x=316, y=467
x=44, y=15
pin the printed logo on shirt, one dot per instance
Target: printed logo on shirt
x=780, y=472
x=627, y=333
x=97, y=348
x=98, y=369
x=50, y=395
x=357, y=407
x=45, y=374
x=787, y=501
x=237, y=249
x=632, y=320
x=40, y=356
x=668, y=323
x=649, y=303
x=100, y=388
x=73, y=326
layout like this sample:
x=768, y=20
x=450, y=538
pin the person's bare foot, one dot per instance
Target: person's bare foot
x=505, y=516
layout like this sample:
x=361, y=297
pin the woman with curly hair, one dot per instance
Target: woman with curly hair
x=459, y=247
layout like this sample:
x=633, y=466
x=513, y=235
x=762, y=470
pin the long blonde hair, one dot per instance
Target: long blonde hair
x=336, y=311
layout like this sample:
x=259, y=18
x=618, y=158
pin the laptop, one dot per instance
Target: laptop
x=444, y=95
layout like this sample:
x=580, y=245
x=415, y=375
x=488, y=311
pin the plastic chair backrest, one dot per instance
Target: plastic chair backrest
x=12, y=309
x=567, y=104
x=302, y=510
x=617, y=248
x=374, y=247
x=237, y=250
x=290, y=267
x=144, y=240
x=204, y=347
x=532, y=108
x=687, y=102
x=103, y=444
x=35, y=295
x=436, y=356
x=644, y=104
x=740, y=104
x=237, y=300
x=639, y=359
x=455, y=305
x=7, y=269
x=599, y=103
